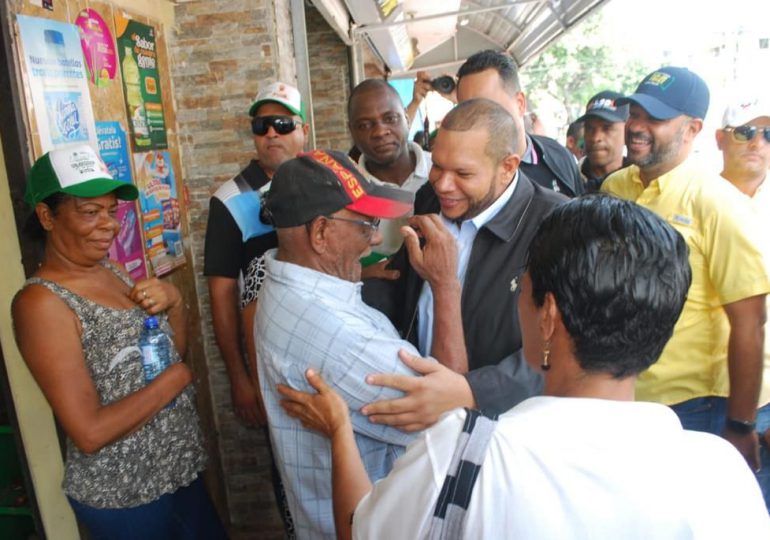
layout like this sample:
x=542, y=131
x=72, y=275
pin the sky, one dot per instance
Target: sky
x=679, y=24
x=687, y=33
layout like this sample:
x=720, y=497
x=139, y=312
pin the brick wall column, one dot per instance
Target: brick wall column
x=330, y=80
x=221, y=52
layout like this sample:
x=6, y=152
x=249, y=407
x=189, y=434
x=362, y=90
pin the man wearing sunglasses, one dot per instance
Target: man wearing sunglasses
x=744, y=140
x=235, y=236
x=710, y=371
x=745, y=144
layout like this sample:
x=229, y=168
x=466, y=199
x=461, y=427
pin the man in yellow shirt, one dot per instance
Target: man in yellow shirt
x=744, y=140
x=711, y=370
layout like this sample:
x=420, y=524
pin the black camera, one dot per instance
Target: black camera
x=443, y=85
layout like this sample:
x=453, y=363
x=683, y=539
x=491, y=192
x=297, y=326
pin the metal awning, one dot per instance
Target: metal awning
x=437, y=35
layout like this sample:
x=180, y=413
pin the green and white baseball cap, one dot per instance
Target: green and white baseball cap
x=281, y=93
x=74, y=170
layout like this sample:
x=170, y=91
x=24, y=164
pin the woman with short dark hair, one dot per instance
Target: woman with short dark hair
x=605, y=284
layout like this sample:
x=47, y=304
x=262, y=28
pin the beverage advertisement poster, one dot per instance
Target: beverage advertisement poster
x=159, y=203
x=127, y=247
x=98, y=47
x=57, y=82
x=138, y=59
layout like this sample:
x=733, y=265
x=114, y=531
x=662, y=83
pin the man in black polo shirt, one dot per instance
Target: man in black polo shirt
x=605, y=124
x=235, y=235
x=493, y=75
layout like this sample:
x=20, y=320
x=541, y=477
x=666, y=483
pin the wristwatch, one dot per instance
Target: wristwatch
x=740, y=426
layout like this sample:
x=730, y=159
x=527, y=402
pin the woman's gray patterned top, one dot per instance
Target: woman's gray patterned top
x=164, y=455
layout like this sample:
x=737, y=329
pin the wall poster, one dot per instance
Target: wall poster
x=127, y=247
x=57, y=82
x=159, y=202
x=98, y=47
x=141, y=82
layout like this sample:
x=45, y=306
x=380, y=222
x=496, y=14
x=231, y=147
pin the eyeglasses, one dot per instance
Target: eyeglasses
x=744, y=134
x=372, y=225
x=283, y=125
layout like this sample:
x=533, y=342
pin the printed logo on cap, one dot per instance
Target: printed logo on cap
x=661, y=80
x=76, y=166
x=603, y=103
x=347, y=179
x=281, y=92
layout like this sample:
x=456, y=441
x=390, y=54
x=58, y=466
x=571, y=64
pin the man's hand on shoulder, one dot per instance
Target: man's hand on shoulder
x=426, y=398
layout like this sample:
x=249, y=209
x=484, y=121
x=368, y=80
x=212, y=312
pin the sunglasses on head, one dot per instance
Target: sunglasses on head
x=743, y=134
x=283, y=125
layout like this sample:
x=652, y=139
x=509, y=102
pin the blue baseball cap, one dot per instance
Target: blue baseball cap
x=670, y=92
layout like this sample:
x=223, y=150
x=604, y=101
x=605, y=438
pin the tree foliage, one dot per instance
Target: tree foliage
x=576, y=67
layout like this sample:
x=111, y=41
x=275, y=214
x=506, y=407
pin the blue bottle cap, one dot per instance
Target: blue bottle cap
x=151, y=322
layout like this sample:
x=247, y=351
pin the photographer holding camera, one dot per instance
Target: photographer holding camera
x=494, y=75
x=423, y=83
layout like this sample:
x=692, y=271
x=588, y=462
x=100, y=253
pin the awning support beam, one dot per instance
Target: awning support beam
x=365, y=28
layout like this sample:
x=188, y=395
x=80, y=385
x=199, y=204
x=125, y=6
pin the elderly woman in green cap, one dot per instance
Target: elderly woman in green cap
x=134, y=458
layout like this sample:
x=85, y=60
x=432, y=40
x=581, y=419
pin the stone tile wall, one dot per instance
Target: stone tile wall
x=330, y=80
x=221, y=52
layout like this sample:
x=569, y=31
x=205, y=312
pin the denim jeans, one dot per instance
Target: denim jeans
x=763, y=476
x=703, y=414
x=186, y=514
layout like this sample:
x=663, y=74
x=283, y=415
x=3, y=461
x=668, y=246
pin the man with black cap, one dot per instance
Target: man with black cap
x=711, y=370
x=604, y=122
x=235, y=236
x=326, y=213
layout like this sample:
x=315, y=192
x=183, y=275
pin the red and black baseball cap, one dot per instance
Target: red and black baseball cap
x=322, y=182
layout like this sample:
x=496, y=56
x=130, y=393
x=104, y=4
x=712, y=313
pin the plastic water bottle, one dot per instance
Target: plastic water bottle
x=156, y=355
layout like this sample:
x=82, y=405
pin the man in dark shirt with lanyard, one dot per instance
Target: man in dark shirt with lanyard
x=235, y=235
x=493, y=75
